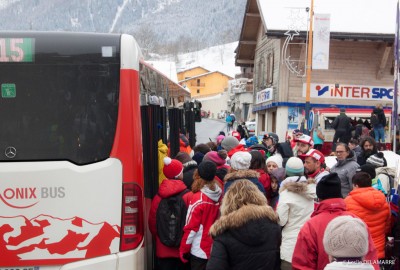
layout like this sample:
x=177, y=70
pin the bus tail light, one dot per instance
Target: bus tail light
x=132, y=229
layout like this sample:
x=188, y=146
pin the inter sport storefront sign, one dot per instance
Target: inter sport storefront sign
x=347, y=91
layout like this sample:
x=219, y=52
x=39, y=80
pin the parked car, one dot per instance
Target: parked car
x=251, y=127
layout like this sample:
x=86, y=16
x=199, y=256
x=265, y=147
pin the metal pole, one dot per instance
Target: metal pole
x=309, y=64
x=396, y=80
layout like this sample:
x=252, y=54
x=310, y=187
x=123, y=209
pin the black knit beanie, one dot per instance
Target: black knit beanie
x=368, y=168
x=207, y=170
x=329, y=187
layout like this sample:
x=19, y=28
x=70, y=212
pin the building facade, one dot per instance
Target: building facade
x=191, y=72
x=359, y=77
x=206, y=84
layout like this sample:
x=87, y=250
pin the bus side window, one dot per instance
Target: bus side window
x=328, y=122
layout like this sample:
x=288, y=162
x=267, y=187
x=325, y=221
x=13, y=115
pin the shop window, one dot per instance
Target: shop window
x=328, y=122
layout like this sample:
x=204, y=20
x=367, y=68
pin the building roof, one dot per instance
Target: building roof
x=175, y=88
x=248, y=35
x=168, y=69
x=354, y=16
x=205, y=74
x=184, y=70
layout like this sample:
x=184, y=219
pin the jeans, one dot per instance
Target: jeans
x=379, y=134
x=228, y=127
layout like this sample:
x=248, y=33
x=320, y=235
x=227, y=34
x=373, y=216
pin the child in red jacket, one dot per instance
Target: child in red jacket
x=203, y=211
x=168, y=257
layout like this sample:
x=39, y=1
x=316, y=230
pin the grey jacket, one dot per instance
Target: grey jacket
x=346, y=169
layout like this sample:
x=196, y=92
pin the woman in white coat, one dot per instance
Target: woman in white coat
x=296, y=203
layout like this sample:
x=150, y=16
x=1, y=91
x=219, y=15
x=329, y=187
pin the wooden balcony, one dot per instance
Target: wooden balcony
x=195, y=84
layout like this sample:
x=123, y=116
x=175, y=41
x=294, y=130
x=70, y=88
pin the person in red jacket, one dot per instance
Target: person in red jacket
x=371, y=206
x=309, y=252
x=203, y=211
x=257, y=164
x=231, y=145
x=168, y=257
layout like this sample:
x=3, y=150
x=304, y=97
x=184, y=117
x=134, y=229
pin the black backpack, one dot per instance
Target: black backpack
x=170, y=219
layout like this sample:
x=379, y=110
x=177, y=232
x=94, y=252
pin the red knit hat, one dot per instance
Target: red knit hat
x=172, y=168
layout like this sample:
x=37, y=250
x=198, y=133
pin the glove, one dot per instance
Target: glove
x=184, y=257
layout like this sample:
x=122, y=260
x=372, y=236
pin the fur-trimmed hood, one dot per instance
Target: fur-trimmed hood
x=241, y=174
x=235, y=222
x=304, y=188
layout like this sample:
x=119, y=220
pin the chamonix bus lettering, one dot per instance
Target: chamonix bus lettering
x=15, y=197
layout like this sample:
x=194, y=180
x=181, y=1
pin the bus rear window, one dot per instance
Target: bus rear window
x=59, y=107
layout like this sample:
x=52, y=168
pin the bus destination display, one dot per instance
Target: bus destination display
x=17, y=49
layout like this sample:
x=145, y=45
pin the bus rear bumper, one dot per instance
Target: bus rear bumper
x=132, y=260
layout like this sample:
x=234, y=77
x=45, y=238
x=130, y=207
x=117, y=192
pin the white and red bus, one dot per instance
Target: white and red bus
x=71, y=172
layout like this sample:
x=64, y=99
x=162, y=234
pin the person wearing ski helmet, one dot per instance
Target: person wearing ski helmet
x=271, y=141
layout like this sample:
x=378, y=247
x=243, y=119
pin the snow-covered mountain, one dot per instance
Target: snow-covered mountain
x=204, y=23
x=217, y=58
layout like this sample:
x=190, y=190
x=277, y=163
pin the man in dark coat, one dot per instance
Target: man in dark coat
x=368, y=148
x=342, y=126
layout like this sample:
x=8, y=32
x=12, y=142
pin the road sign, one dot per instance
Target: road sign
x=310, y=120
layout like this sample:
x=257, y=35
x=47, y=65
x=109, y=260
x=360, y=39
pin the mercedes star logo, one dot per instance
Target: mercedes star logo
x=10, y=152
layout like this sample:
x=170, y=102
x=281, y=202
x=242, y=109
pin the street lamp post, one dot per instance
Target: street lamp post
x=309, y=68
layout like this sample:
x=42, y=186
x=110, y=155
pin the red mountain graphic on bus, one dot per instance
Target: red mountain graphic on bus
x=50, y=238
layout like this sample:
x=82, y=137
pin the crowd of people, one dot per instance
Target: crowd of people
x=347, y=129
x=240, y=203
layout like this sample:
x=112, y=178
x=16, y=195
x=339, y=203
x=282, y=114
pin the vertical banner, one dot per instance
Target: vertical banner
x=321, y=38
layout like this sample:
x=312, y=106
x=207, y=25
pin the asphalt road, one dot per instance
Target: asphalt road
x=208, y=129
